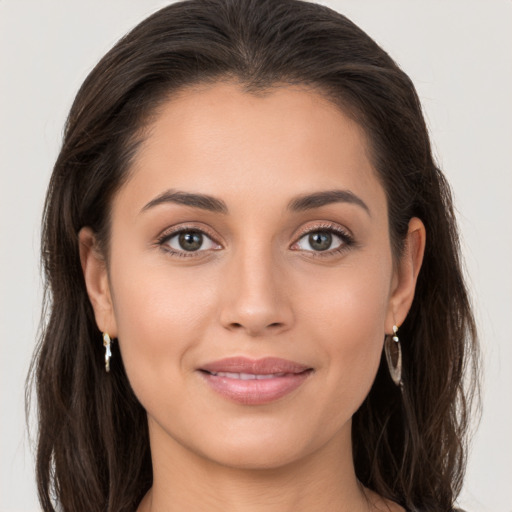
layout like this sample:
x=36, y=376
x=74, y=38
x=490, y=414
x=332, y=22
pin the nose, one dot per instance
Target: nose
x=256, y=298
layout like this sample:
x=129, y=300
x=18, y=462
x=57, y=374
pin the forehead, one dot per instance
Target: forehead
x=219, y=140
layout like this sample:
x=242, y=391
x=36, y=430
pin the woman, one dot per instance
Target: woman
x=254, y=274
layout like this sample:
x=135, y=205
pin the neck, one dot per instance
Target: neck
x=323, y=480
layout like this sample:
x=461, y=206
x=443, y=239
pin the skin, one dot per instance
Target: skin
x=257, y=289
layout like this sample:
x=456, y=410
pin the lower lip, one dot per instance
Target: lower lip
x=255, y=391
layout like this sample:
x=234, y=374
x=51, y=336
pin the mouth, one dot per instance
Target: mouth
x=247, y=376
x=254, y=382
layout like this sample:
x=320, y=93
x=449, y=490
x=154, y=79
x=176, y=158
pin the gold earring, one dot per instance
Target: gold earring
x=108, y=353
x=393, y=353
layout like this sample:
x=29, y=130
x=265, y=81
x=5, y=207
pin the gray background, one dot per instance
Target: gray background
x=458, y=53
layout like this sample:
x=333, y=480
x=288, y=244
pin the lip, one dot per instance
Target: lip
x=254, y=381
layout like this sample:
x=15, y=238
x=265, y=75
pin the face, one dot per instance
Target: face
x=251, y=280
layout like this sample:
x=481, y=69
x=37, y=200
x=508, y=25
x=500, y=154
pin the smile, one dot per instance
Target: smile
x=254, y=382
x=248, y=376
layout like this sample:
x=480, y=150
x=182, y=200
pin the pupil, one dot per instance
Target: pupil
x=320, y=241
x=191, y=240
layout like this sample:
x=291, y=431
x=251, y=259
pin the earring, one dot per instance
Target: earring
x=393, y=353
x=108, y=353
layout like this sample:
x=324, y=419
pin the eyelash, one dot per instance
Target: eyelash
x=346, y=238
x=164, y=238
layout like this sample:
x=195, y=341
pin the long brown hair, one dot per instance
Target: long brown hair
x=93, y=450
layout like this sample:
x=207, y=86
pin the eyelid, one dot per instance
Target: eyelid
x=323, y=226
x=169, y=233
x=343, y=233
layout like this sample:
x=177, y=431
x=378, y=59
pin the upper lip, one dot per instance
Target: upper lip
x=264, y=366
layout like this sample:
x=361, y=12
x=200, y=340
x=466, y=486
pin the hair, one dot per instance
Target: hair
x=409, y=445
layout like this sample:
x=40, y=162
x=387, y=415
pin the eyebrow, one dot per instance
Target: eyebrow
x=299, y=204
x=319, y=199
x=202, y=201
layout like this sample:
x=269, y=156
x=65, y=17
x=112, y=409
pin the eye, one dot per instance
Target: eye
x=319, y=241
x=188, y=241
x=324, y=240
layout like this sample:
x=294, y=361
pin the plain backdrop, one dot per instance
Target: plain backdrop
x=458, y=53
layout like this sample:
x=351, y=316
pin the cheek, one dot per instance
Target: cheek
x=348, y=318
x=349, y=302
x=161, y=317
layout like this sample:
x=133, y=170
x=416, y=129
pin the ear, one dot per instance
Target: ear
x=97, y=283
x=406, y=275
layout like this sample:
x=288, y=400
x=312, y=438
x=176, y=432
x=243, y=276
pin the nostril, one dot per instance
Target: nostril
x=254, y=329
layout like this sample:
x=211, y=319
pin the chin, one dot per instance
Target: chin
x=256, y=456
x=263, y=447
